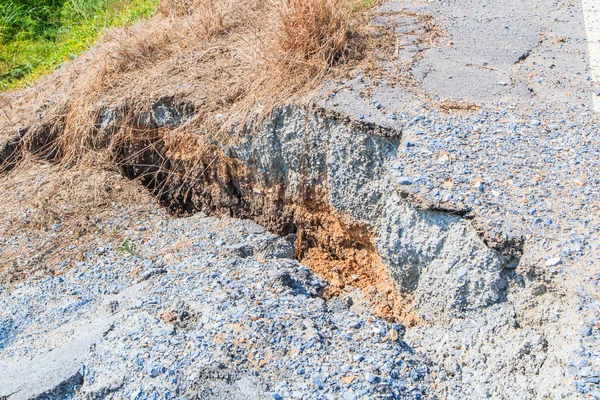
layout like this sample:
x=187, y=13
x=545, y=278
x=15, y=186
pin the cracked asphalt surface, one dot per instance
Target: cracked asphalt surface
x=495, y=101
x=499, y=125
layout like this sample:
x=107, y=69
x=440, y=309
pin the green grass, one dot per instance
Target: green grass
x=368, y=3
x=360, y=5
x=38, y=35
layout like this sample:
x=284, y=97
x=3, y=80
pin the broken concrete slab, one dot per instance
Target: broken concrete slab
x=53, y=370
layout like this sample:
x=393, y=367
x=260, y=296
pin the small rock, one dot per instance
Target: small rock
x=348, y=396
x=461, y=273
x=403, y=180
x=242, y=250
x=371, y=378
x=136, y=394
x=355, y=325
x=358, y=358
x=553, y=262
x=278, y=248
x=156, y=371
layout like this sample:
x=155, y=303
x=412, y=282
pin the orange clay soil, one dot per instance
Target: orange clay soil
x=342, y=252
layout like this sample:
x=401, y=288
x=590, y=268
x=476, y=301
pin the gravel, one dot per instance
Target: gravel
x=218, y=309
x=585, y=363
x=210, y=309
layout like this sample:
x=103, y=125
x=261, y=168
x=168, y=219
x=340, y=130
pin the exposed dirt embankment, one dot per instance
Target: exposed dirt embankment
x=327, y=180
x=196, y=115
x=281, y=183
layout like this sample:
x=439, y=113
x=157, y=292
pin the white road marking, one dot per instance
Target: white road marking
x=591, y=15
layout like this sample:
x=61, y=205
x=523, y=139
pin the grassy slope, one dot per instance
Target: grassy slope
x=31, y=46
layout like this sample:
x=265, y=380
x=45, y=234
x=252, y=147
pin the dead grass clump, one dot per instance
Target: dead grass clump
x=178, y=26
x=211, y=17
x=177, y=7
x=313, y=32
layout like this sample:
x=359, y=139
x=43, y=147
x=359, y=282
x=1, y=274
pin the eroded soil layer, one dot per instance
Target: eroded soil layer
x=330, y=182
x=329, y=185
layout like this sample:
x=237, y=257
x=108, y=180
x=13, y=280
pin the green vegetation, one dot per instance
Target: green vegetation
x=361, y=5
x=127, y=247
x=38, y=35
x=368, y=3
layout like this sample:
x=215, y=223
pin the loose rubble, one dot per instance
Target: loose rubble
x=190, y=318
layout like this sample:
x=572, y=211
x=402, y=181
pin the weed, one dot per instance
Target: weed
x=312, y=31
x=127, y=247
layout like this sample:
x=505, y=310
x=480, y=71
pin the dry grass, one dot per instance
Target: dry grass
x=50, y=217
x=313, y=33
x=225, y=59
